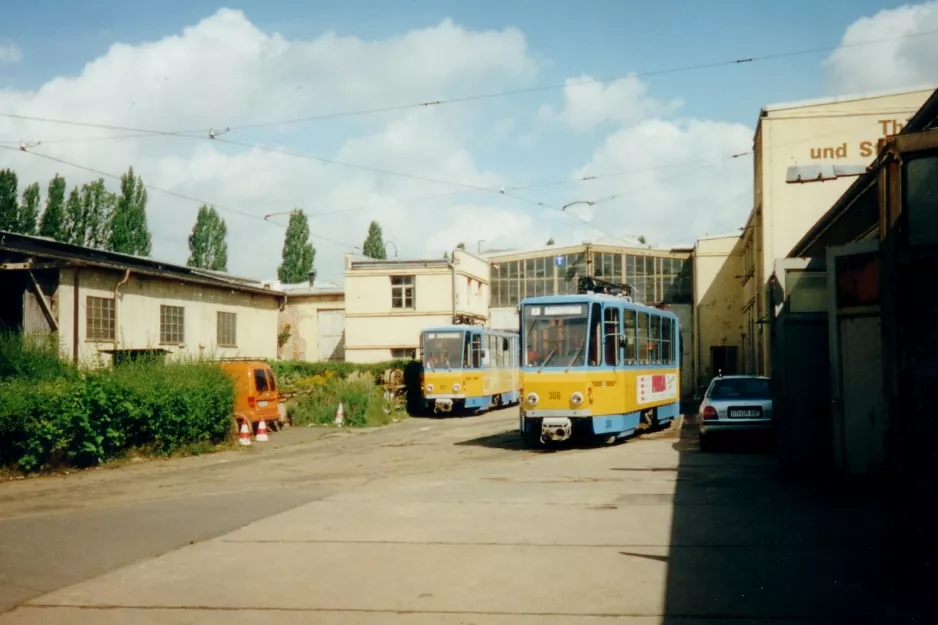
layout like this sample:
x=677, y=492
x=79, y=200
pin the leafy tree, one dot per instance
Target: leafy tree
x=298, y=252
x=74, y=226
x=460, y=246
x=641, y=239
x=374, y=243
x=550, y=241
x=208, y=248
x=129, y=232
x=97, y=207
x=9, y=204
x=53, y=218
x=29, y=210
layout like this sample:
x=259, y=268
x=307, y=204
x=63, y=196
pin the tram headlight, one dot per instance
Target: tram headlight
x=429, y=388
x=577, y=398
x=456, y=387
x=532, y=398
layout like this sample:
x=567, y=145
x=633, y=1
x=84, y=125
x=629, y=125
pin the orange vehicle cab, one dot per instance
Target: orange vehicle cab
x=257, y=396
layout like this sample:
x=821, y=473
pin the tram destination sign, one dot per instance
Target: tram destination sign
x=560, y=310
x=444, y=335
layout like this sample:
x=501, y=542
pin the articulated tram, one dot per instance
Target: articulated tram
x=596, y=364
x=469, y=368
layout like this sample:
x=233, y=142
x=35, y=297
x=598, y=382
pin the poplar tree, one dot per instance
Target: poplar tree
x=208, y=248
x=298, y=253
x=52, y=224
x=374, y=242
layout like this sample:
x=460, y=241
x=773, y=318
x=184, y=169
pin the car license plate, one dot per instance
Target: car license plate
x=745, y=413
x=262, y=404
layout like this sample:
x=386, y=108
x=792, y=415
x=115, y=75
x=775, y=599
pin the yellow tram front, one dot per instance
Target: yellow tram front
x=596, y=365
x=469, y=368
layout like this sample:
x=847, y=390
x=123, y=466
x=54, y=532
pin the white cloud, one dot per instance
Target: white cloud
x=10, y=54
x=907, y=58
x=224, y=71
x=588, y=104
x=683, y=182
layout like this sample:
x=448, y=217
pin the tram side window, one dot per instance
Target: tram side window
x=643, y=342
x=629, y=336
x=654, y=339
x=667, y=336
x=612, y=332
x=476, y=351
x=595, y=336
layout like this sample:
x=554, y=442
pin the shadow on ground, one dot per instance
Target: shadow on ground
x=748, y=546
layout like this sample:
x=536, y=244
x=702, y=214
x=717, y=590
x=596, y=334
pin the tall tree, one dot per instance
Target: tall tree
x=53, y=218
x=29, y=210
x=74, y=226
x=9, y=202
x=208, y=248
x=374, y=243
x=129, y=232
x=98, y=206
x=298, y=252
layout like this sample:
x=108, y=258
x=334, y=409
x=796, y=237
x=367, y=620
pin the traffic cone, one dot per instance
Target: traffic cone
x=261, y=432
x=244, y=436
x=339, y=415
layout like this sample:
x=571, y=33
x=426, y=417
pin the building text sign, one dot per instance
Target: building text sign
x=865, y=149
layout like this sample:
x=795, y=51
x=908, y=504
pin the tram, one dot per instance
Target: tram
x=597, y=364
x=469, y=369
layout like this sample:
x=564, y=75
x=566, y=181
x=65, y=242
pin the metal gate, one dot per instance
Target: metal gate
x=331, y=334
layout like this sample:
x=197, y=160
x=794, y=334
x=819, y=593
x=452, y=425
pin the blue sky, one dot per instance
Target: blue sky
x=601, y=37
x=150, y=82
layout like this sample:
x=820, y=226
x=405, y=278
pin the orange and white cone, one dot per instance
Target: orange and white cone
x=339, y=415
x=244, y=436
x=261, y=436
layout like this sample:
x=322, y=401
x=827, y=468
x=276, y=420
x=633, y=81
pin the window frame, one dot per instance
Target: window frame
x=404, y=287
x=96, y=322
x=165, y=337
x=220, y=327
x=612, y=332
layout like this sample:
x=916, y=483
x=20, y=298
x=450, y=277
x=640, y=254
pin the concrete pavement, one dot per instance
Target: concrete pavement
x=452, y=522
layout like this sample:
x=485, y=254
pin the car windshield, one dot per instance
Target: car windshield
x=740, y=388
x=443, y=350
x=554, y=335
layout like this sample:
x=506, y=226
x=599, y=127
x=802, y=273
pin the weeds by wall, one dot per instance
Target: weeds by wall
x=289, y=370
x=363, y=401
x=54, y=414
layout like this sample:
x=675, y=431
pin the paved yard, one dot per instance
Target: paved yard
x=443, y=521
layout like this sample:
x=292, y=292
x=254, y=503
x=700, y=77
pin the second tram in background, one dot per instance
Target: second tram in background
x=596, y=363
x=469, y=368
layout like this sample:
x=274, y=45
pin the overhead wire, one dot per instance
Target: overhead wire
x=173, y=193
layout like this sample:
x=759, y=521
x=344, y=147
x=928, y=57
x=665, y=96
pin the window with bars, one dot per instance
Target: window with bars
x=226, y=329
x=172, y=325
x=402, y=292
x=99, y=318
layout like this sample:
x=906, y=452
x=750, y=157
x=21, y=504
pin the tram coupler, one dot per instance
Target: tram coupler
x=556, y=429
x=442, y=405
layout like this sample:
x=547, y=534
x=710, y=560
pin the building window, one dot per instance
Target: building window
x=99, y=318
x=402, y=291
x=172, y=325
x=403, y=353
x=226, y=329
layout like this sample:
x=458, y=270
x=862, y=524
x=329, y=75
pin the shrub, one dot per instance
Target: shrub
x=33, y=357
x=82, y=420
x=288, y=371
x=362, y=400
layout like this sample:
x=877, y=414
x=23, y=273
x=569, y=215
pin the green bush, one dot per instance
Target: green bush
x=289, y=370
x=363, y=403
x=35, y=358
x=85, y=419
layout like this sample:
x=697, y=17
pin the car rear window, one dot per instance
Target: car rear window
x=273, y=380
x=741, y=388
x=260, y=380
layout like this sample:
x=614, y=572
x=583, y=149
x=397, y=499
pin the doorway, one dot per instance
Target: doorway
x=723, y=359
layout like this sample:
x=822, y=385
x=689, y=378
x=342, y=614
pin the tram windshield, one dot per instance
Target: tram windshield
x=443, y=350
x=555, y=335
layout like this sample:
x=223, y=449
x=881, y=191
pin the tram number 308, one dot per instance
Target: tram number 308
x=553, y=395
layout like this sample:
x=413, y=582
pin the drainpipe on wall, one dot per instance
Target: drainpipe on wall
x=452, y=267
x=75, y=303
x=117, y=326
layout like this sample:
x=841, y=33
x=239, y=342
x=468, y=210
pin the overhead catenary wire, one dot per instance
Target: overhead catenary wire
x=477, y=97
x=173, y=193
